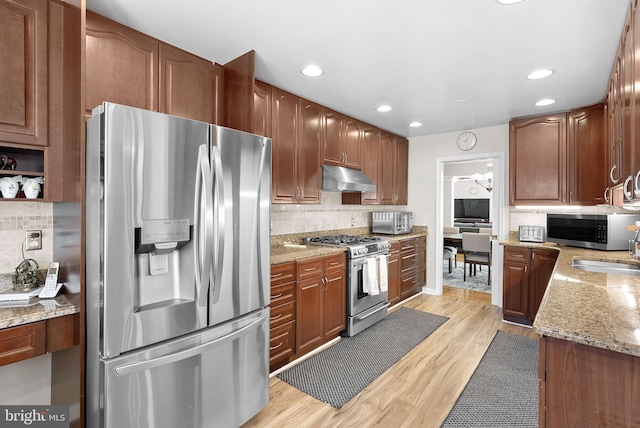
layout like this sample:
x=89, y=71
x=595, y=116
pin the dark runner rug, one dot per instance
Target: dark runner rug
x=503, y=391
x=338, y=373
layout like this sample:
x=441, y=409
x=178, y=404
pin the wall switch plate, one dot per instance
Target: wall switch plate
x=33, y=240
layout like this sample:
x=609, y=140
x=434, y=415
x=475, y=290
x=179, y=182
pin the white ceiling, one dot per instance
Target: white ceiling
x=419, y=56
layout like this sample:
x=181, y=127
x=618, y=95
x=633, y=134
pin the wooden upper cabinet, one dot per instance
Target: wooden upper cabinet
x=262, y=109
x=309, y=152
x=342, y=143
x=587, y=147
x=24, y=72
x=352, y=145
x=402, y=171
x=537, y=160
x=370, y=167
x=121, y=65
x=190, y=86
x=332, y=153
x=285, y=129
x=388, y=169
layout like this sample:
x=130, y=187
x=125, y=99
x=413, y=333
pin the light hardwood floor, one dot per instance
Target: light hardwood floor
x=419, y=390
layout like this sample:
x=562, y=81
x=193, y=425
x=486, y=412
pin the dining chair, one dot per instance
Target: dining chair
x=450, y=253
x=451, y=229
x=477, y=251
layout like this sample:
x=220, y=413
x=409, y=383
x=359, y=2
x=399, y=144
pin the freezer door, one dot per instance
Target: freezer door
x=148, y=209
x=218, y=378
x=241, y=171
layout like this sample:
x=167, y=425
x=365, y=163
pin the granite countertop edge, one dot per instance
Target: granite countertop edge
x=34, y=311
x=590, y=308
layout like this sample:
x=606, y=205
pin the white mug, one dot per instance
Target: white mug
x=31, y=187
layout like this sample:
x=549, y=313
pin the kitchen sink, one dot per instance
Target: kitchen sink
x=617, y=268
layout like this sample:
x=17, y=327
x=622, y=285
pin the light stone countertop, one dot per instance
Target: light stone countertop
x=590, y=308
x=13, y=314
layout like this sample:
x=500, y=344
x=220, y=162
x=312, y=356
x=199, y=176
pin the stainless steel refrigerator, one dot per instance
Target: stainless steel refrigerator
x=177, y=271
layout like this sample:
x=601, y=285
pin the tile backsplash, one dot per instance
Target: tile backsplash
x=15, y=219
x=330, y=215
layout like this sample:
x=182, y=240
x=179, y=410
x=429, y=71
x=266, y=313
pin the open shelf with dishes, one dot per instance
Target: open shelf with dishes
x=22, y=163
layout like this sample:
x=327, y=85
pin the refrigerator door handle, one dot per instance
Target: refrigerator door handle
x=220, y=226
x=128, y=369
x=203, y=222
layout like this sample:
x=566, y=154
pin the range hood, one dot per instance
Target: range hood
x=341, y=179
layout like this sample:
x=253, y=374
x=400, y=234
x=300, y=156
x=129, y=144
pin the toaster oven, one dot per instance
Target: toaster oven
x=392, y=222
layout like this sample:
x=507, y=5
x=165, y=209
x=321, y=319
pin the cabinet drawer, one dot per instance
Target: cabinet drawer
x=517, y=254
x=337, y=262
x=394, y=247
x=22, y=342
x=282, y=273
x=282, y=342
x=421, y=243
x=283, y=313
x=282, y=294
x=409, y=261
x=310, y=268
x=408, y=245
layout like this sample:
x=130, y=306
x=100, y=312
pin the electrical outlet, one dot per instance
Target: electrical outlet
x=352, y=222
x=33, y=240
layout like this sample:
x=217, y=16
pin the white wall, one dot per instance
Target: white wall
x=423, y=153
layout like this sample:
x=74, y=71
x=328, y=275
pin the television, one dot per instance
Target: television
x=471, y=209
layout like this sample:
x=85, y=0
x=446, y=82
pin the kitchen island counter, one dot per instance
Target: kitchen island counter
x=590, y=308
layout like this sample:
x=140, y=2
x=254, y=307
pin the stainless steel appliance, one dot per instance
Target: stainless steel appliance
x=363, y=309
x=596, y=231
x=529, y=233
x=391, y=222
x=177, y=271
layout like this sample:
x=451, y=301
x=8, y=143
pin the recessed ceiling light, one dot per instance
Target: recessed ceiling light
x=415, y=124
x=312, y=71
x=384, y=108
x=508, y=1
x=540, y=74
x=460, y=101
x=545, y=102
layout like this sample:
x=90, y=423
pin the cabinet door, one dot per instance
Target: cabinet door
x=402, y=170
x=388, y=165
x=332, y=153
x=121, y=65
x=334, y=304
x=285, y=124
x=370, y=161
x=587, y=149
x=515, y=293
x=537, y=160
x=190, y=86
x=309, y=145
x=394, y=276
x=23, y=72
x=262, y=109
x=352, y=147
x=542, y=264
x=309, y=310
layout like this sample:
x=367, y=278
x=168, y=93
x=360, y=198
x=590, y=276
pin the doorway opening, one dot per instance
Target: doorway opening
x=470, y=196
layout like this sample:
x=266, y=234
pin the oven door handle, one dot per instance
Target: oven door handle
x=386, y=305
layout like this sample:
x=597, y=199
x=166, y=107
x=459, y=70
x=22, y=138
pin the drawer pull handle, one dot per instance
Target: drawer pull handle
x=276, y=275
x=276, y=296
x=276, y=317
x=309, y=269
x=273, y=348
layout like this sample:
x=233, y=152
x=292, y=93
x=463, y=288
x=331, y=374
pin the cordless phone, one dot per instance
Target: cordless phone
x=51, y=286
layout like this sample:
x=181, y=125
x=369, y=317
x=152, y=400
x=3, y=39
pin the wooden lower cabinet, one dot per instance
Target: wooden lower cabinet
x=37, y=338
x=282, y=344
x=583, y=386
x=526, y=274
x=412, y=265
x=321, y=301
x=394, y=284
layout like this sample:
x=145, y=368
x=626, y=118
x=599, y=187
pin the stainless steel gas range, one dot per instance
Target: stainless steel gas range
x=365, y=306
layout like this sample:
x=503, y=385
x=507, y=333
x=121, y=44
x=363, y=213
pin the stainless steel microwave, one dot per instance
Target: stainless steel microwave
x=392, y=222
x=597, y=231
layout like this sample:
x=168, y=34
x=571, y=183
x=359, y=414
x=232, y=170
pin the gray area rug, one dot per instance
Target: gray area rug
x=338, y=373
x=475, y=283
x=503, y=391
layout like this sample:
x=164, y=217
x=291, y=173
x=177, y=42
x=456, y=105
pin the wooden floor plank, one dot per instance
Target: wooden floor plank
x=420, y=389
